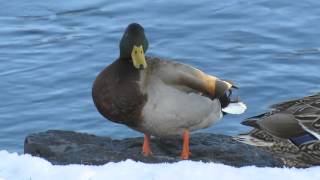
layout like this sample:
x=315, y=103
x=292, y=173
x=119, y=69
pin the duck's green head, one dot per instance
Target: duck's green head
x=133, y=45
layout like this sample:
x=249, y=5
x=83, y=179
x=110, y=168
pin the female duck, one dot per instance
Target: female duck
x=159, y=97
x=291, y=131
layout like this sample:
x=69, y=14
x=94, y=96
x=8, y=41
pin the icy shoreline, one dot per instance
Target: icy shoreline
x=14, y=166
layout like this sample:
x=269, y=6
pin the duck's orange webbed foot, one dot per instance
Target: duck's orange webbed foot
x=185, y=147
x=146, y=150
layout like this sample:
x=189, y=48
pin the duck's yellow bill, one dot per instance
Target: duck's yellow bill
x=138, y=58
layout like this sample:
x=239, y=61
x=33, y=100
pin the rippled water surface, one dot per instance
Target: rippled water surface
x=51, y=51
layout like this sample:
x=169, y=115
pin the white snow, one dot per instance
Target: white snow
x=26, y=167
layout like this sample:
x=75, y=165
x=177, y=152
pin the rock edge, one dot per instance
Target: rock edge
x=68, y=147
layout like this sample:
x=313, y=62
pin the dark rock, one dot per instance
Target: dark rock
x=66, y=147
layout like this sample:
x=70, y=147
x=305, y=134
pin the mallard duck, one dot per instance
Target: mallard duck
x=291, y=130
x=159, y=97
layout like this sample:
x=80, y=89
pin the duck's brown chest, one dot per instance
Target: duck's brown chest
x=117, y=96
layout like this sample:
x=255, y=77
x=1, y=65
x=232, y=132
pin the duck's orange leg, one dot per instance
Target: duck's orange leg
x=185, y=147
x=146, y=150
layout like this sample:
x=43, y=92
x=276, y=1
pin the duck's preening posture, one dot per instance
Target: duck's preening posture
x=159, y=97
x=291, y=129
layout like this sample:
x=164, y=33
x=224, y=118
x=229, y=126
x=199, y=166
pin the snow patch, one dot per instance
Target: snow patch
x=17, y=167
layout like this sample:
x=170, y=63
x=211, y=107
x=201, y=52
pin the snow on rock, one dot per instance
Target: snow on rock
x=19, y=167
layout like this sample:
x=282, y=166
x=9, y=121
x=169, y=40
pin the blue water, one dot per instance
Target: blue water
x=51, y=52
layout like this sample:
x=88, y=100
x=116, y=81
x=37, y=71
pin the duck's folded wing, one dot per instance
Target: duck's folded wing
x=184, y=75
x=308, y=116
x=281, y=125
x=306, y=111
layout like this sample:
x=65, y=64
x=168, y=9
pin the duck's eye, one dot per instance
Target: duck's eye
x=135, y=52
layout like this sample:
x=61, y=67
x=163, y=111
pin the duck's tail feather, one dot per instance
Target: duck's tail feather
x=235, y=108
x=224, y=93
x=251, y=123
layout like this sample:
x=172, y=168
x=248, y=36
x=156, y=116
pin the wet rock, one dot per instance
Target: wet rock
x=67, y=147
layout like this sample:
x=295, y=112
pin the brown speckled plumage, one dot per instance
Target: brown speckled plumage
x=294, y=118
